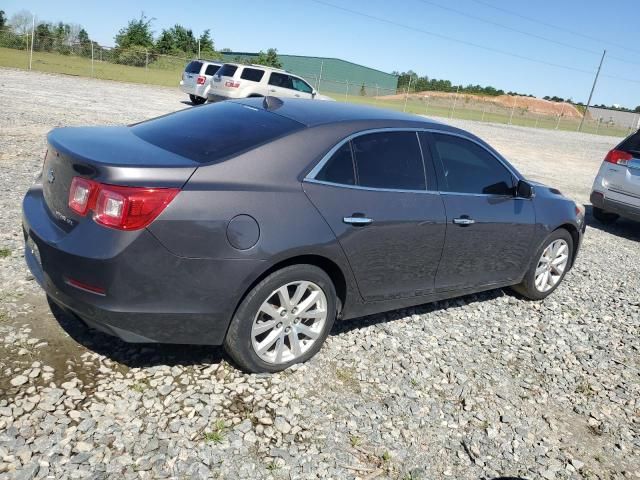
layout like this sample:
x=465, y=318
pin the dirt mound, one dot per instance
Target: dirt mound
x=533, y=105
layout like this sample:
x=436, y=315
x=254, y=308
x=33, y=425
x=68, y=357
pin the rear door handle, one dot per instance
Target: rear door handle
x=464, y=221
x=357, y=221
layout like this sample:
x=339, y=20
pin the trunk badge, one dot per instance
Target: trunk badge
x=51, y=176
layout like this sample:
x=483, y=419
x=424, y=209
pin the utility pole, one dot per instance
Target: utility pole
x=198, y=48
x=595, y=80
x=33, y=33
x=513, y=109
x=455, y=99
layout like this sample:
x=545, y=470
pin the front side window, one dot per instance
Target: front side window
x=469, y=168
x=339, y=168
x=301, y=85
x=280, y=80
x=390, y=160
x=252, y=74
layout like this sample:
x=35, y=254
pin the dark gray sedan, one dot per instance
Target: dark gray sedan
x=256, y=223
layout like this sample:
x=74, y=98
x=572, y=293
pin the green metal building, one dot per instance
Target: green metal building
x=330, y=75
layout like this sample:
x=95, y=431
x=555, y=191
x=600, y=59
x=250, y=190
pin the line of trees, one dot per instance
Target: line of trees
x=415, y=83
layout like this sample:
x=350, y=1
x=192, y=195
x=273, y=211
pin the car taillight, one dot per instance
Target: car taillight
x=124, y=208
x=201, y=79
x=618, y=157
x=81, y=193
x=232, y=84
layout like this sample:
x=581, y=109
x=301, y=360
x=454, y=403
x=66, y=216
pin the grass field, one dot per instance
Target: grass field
x=167, y=71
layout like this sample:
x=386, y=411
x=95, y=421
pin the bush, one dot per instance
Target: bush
x=135, y=56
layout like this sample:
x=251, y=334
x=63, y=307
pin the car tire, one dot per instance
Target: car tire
x=245, y=337
x=606, y=218
x=197, y=100
x=531, y=286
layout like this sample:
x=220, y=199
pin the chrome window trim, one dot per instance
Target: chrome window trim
x=310, y=177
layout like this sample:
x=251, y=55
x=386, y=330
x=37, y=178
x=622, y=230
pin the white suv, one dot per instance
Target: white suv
x=242, y=81
x=616, y=189
x=195, y=79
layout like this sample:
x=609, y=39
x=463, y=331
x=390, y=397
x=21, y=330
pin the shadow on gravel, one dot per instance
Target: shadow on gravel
x=356, y=323
x=134, y=355
x=621, y=228
x=508, y=478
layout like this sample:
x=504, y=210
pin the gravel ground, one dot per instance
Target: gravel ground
x=481, y=386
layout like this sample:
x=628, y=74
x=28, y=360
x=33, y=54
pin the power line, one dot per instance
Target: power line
x=523, y=32
x=452, y=39
x=557, y=27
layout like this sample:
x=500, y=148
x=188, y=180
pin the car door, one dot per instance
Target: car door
x=372, y=192
x=279, y=85
x=302, y=88
x=489, y=229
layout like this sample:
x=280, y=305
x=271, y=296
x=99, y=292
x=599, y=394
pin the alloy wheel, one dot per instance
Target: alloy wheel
x=289, y=322
x=552, y=264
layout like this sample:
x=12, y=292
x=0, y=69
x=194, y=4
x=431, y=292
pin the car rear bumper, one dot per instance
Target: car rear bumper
x=197, y=90
x=150, y=294
x=617, y=206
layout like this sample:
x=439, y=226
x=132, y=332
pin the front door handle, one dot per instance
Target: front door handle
x=357, y=221
x=464, y=221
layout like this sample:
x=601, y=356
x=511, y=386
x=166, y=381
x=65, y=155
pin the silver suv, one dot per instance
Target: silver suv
x=616, y=189
x=234, y=80
x=195, y=79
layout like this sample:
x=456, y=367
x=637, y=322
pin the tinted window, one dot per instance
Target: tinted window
x=280, y=80
x=227, y=70
x=211, y=69
x=193, y=67
x=300, y=85
x=211, y=133
x=469, y=168
x=632, y=144
x=389, y=160
x=253, y=74
x=339, y=168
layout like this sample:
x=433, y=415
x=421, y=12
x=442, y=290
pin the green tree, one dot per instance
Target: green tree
x=637, y=109
x=3, y=19
x=206, y=42
x=136, y=33
x=269, y=59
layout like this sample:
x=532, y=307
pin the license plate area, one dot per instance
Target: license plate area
x=33, y=248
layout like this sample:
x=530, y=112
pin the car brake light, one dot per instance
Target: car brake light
x=232, y=84
x=201, y=79
x=85, y=286
x=81, y=192
x=618, y=157
x=123, y=208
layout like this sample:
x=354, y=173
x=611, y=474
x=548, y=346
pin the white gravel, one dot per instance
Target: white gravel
x=482, y=386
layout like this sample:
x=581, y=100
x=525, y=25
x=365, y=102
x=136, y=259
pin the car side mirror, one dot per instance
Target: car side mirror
x=524, y=189
x=313, y=92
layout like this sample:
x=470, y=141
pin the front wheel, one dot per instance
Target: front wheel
x=283, y=320
x=552, y=261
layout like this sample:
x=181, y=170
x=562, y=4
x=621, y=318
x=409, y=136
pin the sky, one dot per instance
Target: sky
x=465, y=41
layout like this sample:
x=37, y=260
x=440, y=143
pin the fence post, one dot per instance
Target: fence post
x=33, y=34
x=375, y=102
x=346, y=94
x=559, y=116
x=406, y=95
x=598, y=125
x=537, y=118
x=455, y=99
x=146, y=60
x=426, y=106
x=484, y=108
x=320, y=76
x=92, y=59
x=513, y=109
x=198, y=48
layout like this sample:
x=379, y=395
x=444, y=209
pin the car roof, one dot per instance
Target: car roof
x=256, y=65
x=318, y=112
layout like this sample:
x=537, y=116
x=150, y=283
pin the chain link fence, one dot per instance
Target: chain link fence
x=142, y=65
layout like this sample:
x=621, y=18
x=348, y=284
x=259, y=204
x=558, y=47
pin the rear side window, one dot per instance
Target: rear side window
x=280, y=80
x=339, y=169
x=211, y=69
x=389, y=160
x=193, y=67
x=227, y=70
x=252, y=74
x=214, y=132
x=469, y=168
x=631, y=144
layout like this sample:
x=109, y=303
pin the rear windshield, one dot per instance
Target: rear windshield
x=211, y=69
x=193, y=67
x=214, y=132
x=227, y=70
x=631, y=144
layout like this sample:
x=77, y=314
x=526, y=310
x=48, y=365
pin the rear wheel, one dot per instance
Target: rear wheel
x=283, y=320
x=197, y=100
x=603, y=217
x=552, y=261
